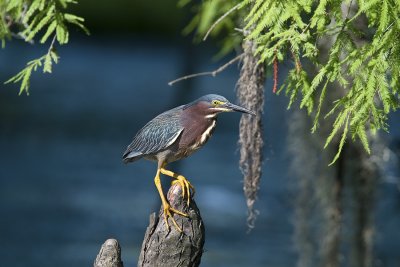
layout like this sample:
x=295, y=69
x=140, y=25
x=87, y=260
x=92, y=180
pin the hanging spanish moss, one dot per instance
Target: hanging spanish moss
x=250, y=93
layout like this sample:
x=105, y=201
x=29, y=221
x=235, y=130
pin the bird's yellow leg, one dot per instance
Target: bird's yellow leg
x=185, y=184
x=166, y=207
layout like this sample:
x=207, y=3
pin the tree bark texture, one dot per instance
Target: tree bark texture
x=169, y=247
x=163, y=246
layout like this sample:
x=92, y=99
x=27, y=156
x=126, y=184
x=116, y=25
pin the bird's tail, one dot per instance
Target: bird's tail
x=131, y=156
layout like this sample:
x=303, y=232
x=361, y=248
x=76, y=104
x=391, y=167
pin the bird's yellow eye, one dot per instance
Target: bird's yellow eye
x=216, y=102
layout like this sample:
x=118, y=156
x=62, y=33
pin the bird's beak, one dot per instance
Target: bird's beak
x=233, y=107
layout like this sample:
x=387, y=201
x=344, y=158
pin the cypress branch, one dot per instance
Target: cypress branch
x=29, y=18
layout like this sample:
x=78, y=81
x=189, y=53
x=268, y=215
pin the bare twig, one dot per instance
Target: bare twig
x=9, y=20
x=296, y=61
x=239, y=30
x=212, y=73
x=52, y=43
x=22, y=36
x=220, y=19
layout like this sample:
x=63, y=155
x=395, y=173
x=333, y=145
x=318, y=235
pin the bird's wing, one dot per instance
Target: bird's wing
x=156, y=135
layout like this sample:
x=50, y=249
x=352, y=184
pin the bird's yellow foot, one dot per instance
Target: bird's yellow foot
x=185, y=185
x=183, y=182
x=168, y=210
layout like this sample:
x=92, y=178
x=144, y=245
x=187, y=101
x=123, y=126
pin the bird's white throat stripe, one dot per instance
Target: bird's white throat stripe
x=221, y=109
x=210, y=116
x=207, y=132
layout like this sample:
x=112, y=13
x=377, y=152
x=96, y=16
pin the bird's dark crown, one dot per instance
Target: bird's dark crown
x=211, y=99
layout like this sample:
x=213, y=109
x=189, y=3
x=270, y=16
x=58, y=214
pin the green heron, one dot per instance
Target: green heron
x=176, y=134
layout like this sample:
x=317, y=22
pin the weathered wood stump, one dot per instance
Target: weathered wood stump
x=162, y=246
x=109, y=255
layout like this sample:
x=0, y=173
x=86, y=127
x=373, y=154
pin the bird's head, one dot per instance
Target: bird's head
x=214, y=104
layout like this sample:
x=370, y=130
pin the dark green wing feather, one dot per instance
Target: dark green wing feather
x=156, y=135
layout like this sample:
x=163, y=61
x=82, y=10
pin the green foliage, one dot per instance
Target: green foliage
x=29, y=19
x=361, y=56
x=206, y=14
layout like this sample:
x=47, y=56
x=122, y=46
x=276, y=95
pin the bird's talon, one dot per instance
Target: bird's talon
x=178, y=212
x=176, y=225
x=167, y=214
x=166, y=220
x=182, y=185
x=191, y=187
x=185, y=187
